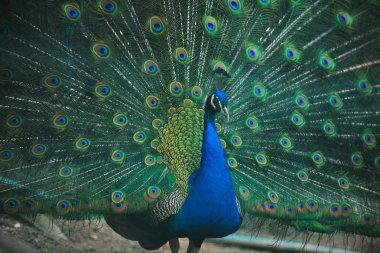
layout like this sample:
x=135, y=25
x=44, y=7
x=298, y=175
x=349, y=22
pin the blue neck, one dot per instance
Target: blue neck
x=210, y=209
x=209, y=120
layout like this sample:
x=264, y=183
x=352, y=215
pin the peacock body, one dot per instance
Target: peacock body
x=116, y=109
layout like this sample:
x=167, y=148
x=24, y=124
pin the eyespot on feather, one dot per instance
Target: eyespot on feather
x=181, y=55
x=211, y=25
x=14, y=120
x=108, y=7
x=120, y=120
x=101, y=51
x=151, y=68
x=72, y=12
x=39, y=150
x=156, y=25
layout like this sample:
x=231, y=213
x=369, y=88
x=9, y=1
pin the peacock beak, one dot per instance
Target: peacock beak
x=225, y=113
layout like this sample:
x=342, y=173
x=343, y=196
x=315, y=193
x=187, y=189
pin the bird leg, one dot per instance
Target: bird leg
x=174, y=245
x=194, y=246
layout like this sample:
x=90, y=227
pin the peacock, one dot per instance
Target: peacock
x=174, y=119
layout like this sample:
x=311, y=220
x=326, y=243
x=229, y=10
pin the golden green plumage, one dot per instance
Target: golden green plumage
x=181, y=142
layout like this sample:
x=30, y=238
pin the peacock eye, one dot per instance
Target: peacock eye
x=101, y=50
x=157, y=123
x=152, y=194
x=364, y=87
x=368, y=220
x=6, y=155
x=176, y=89
x=343, y=183
x=303, y=176
x=60, y=121
x=344, y=19
x=63, y=207
x=329, y=129
x=326, y=62
x=318, y=159
x=377, y=162
x=297, y=119
x=102, y=90
x=253, y=53
x=120, y=120
x=152, y=102
x=14, y=121
x=82, y=144
x=29, y=203
x=236, y=140
x=181, y=55
x=107, y=6
x=117, y=196
x=292, y=54
x=211, y=25
x=286, y=142
x=71, y=12
x=369, y=139
x=273, y=197
x=261, y=159
x=117, y=156
x=235, y=5
x=196, y=92
x=5, y=74
x=151, y=67
x=260, y=91
x=10, y=206
x=150, y=160
x=232, y=163
x=139, y=137
x=312, y=205
x=156, y=25
x=39, y=149
x=66, y=171
x=52, y=81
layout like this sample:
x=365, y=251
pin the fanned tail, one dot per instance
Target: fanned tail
x=101, y=106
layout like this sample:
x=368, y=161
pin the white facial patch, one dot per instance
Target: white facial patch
x=212, y=101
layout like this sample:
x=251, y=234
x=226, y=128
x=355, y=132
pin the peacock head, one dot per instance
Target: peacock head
x=217, y=102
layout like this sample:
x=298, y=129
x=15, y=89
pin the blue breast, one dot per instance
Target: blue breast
x=210, y=209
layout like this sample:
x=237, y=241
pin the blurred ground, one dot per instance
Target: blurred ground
x=27, y=236
x=79, y=237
